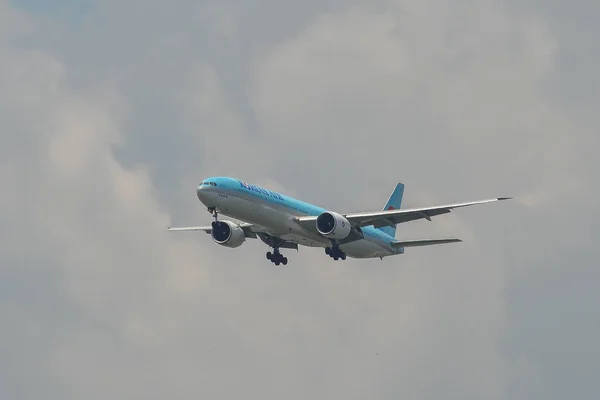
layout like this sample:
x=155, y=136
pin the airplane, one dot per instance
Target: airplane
x=283, y=222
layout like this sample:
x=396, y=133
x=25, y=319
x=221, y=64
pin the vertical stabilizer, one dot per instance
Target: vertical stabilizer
x=393, y=203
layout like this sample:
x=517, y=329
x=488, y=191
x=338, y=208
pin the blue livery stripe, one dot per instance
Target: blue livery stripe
x=393, y=203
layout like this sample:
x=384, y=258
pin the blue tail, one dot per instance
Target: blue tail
x=393, y=203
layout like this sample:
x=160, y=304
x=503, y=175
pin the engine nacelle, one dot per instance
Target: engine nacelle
x=333, y=225
x=227, y=233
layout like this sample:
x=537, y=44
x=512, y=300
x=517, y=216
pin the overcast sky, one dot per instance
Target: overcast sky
x=113, y=111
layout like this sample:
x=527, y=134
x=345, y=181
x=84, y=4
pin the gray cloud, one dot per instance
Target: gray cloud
x=108, y=126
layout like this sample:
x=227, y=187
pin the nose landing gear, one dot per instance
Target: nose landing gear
x=213, y=211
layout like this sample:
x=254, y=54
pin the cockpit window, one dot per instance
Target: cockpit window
x=213, y=183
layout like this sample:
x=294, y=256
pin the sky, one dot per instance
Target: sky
x=113, y=111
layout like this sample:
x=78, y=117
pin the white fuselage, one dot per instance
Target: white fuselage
x=277, y=220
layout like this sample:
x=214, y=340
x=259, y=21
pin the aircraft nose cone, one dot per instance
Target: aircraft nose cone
x=200, y=191
x=203, y=193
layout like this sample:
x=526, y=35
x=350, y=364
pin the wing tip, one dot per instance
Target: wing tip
x=504, y=198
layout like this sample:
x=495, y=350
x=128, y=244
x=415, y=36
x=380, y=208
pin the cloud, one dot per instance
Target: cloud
x=84, y=230
x=101, y=154
x=394, y=81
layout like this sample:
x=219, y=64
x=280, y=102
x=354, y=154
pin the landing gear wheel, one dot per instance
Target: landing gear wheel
x=335, y=252
x=277, y=258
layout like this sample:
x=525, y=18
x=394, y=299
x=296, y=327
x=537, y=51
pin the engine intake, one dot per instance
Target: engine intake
x=228, y=234
x=333, y=225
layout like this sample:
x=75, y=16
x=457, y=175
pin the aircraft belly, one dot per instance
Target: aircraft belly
x=363, y=249
x=302, y=240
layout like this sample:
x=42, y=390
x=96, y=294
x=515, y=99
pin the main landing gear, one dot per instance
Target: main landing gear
x=275, y=242
x=276, y=257
x=335, y=252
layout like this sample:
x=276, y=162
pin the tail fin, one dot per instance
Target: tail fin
x=393, y=203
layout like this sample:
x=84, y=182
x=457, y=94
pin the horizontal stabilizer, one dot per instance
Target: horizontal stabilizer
x=427, y=242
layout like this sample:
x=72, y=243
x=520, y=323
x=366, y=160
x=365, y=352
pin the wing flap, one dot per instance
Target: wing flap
x=409, y=215
x=426, y=242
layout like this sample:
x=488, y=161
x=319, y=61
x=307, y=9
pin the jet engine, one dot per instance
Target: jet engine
x=333, y=225
x=227, y=233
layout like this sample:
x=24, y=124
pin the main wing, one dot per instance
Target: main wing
x=250, y=230
x=392, y=217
